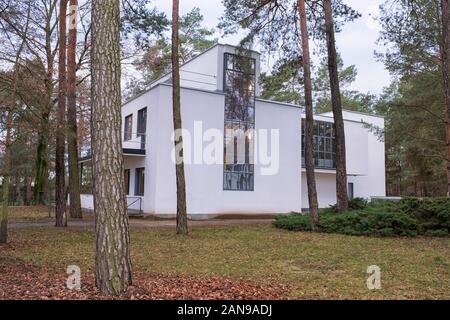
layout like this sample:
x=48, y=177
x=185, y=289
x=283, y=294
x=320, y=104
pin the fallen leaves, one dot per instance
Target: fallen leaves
x=24, y=281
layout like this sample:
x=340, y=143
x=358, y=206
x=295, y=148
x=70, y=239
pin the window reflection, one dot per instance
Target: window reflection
x=324, y=145
x=239, y=91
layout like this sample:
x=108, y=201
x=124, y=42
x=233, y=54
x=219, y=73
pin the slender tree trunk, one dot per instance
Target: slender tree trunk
x=5, y=188
x=60, y=172
x=445, y=47
x=41, y=175
x=28, y=194
x=72, y=137
x=18, y=198
x=309, y=133
x=182, y=227
x=341, y=166
x=113, y=262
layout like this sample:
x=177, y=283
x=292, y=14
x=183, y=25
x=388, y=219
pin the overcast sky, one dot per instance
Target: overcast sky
x=356, y=42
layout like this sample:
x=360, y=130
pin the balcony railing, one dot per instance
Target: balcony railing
x=134, y=205
x=137, y=142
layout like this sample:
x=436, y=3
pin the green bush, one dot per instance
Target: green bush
x=355, y=223
x=431, y=214
x=369, y=223
x=353, y=204
x=294, y=222
x=407, y=217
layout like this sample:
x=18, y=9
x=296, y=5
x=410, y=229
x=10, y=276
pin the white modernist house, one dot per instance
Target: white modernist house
x=265, y=174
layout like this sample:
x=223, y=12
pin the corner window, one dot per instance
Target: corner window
x=128, y=132
x=139, y=182
x=324, y=145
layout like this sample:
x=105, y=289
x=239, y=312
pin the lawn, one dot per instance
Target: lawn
x=309, y=266
x=31, y=214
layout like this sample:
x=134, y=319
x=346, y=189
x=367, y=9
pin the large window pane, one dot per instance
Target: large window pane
x=239, y=91
x=324, y=145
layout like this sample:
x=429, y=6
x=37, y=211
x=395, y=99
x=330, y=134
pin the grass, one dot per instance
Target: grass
x=317, y=266
x=30, y=214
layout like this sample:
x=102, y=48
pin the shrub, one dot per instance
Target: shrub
x=355, y=223
x=294, y=222
x=407, y=217
x=353, y=204
x=430, y=214
x=369, y=223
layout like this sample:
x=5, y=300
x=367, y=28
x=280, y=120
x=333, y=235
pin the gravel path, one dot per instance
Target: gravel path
x=145, y=223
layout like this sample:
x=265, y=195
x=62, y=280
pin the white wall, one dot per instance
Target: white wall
x=205, y=72
x=279, y=193
x=326, y=189
x=202, y=100
x=365, y=153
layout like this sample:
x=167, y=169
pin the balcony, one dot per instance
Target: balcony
x=133, y=147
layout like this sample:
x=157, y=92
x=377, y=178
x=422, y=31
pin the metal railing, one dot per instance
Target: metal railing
x=132, y=201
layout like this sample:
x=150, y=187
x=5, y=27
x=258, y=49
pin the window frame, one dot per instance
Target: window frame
x=128, y=131
x=137, y=184
x=127, y=177
x=324, y=145
x=231, y=66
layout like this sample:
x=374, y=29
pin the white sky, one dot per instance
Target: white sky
x=356, y=42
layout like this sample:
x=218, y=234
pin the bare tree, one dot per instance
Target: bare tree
x=341, y=166
x=309, y=130
x=113, y=262
x=9, y=121
x=72, y=136
x=182, y=227
x=60, y=172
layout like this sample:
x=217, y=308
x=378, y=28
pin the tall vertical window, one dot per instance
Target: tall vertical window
x=142, y=126
x=127, y=181
x=239, y=88
x=351, y=190
x=128, y=131
x=139, y=182
x=324, y=145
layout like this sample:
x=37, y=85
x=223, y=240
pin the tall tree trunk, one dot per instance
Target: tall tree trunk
x=113, y=262
x=5, y=188
x=41, y=175
x=341, y=166
x=182, y=227
x=60, y=174
x=309, y=133
x=28, y=194
x=72, y=137
x=445, y=47
x=18, y=192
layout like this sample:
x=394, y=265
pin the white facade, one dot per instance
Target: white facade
x=203, y=108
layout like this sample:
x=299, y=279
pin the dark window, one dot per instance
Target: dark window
x=239, y=88
x=128, y=127
x=139, y=182
x=142, y=126
x=127, y=181
x=351, y=190
x=324, y=145
x=142, y=122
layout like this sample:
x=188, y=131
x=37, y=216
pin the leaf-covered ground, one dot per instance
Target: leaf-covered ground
x=22, y=281
x=230, y=262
